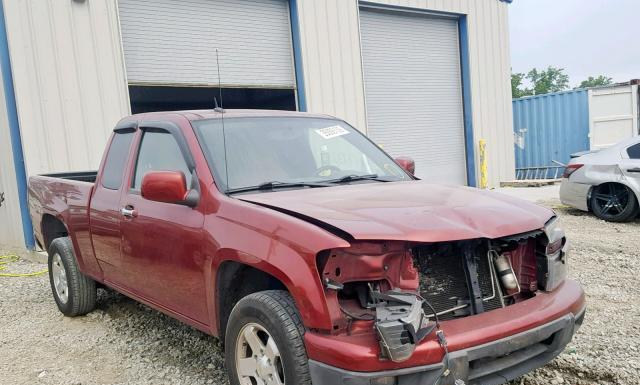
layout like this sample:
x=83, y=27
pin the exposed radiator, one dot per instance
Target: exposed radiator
x=443, y=282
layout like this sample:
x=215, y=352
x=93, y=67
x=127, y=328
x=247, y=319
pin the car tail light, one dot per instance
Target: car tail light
x=570, y=169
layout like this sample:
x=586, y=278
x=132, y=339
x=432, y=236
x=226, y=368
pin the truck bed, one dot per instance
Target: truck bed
x=64, y=196
x=80, y=176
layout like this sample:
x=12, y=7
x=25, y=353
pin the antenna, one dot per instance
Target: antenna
x=218, y=109
x=221, y=111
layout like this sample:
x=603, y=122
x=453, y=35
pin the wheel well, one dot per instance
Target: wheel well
x=236, y=281
x=52, y=228
x=593, y=188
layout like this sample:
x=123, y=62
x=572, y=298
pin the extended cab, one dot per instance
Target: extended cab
x=315, y=256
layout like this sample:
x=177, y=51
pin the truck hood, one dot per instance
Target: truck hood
x=411, y=211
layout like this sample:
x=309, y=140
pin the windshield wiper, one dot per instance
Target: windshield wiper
x=266, y=186
x=353, y=178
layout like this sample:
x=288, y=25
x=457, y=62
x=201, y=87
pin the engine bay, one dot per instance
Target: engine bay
x=403, y=290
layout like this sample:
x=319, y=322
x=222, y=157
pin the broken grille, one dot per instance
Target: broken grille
x=443, y=281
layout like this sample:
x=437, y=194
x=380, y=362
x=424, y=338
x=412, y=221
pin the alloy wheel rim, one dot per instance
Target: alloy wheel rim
x=258, y=360
x=614, y=201
x=59, y=275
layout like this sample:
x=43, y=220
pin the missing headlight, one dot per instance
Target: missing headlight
x=551, y=256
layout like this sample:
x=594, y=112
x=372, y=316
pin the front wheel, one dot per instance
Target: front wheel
x=264, y=341
x=614, y=202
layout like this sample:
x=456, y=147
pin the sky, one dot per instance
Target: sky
x=585, y=37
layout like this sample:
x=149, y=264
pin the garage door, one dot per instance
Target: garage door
x=168, y=42
x=413, y=90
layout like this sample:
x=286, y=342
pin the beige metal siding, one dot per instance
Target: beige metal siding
x=10, y=218
x=333, y=69
x=69, y=80
x=332, y=66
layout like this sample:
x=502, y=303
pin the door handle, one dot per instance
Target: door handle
x=637, y=169
x=129, y=212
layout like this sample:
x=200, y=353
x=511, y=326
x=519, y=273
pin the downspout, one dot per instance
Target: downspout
x=465, y=67
x=297, y=54
x=14, y=131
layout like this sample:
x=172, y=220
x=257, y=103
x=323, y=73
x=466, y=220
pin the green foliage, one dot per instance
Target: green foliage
x=517, y=90
x=550, y=80
x=544, y=81
x=599, y=81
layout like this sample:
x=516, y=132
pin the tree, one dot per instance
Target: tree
x=545, y=81
x=517, y=90
x=550, y=80
x=599, y=81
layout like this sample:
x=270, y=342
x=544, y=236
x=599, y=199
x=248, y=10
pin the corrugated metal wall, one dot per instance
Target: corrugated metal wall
x=69, y=80
x=550, y=127
x=613, y=114
x=333, y=68
x=10, y=218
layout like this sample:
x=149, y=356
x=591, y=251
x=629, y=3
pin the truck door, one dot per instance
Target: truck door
x=104, y=211
x=161, y=242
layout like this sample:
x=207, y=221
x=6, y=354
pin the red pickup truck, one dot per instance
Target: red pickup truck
x=311, y=253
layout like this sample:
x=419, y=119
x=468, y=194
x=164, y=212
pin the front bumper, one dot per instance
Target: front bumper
x=478, y=355
x=489, y=364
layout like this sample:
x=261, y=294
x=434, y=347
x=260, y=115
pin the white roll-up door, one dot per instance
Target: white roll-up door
x=413, y=90
x=170, y=42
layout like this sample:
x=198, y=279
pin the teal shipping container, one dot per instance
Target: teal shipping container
x=550, y=127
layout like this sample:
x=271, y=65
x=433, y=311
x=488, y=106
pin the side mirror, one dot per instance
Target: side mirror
x=165, y=186
x=407, y=164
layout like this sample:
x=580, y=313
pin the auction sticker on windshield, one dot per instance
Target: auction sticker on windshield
x=331, y=132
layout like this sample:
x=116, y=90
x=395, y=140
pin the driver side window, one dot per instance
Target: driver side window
x=159, y=151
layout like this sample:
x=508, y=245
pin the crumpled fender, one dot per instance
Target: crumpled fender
x=278, y=244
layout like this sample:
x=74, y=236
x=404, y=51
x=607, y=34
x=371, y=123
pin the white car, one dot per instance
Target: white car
x=605, y=182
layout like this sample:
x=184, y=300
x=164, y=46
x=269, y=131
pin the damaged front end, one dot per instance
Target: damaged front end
x=402, y=290
x=400, y=323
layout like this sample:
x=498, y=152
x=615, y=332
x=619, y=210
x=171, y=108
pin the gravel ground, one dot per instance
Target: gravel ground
x=123, y=342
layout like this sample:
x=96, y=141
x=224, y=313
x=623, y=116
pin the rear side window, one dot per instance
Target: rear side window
x=159, y=151
x=116, y=159
x=634, y=151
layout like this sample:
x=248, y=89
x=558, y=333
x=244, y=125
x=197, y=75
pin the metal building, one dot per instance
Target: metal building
x=423, y=78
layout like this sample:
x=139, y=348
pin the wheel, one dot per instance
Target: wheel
x=264, y=341
x=614, y=202
x=75, y=293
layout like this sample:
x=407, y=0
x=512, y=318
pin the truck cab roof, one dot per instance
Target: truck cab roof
x=228, y=113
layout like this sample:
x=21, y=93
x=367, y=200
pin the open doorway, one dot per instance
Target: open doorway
x=166, y=98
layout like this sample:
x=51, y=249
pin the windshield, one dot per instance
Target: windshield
x=289, y=150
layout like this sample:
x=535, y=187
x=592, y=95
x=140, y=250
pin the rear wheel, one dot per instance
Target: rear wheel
x=264, y=341
x=74, y=293
x=614, y=202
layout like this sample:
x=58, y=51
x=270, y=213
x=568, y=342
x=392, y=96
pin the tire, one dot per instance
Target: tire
x=614, y=202
x=81, y=291
x=275, y=312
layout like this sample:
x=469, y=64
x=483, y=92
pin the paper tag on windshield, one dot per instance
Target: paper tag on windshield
x=331, y=132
